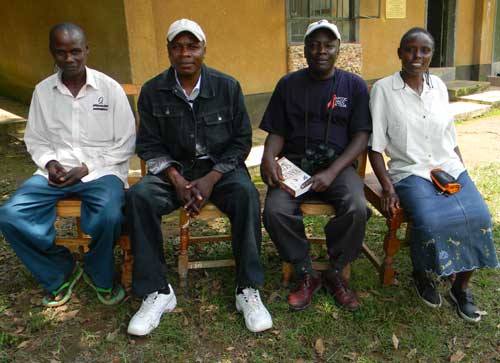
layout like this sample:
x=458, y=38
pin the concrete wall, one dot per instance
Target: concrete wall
x=474, y=38
x=246, y=39
x=24, y=33
x=380, y=37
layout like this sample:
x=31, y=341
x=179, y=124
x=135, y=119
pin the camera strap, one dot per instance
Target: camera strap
x=330, y=106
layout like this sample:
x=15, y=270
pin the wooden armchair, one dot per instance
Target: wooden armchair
x=71, y=207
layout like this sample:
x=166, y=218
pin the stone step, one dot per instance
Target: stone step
x=459, y=88
x=494, y=80
x=447, y=74
x=491, y=98
x=466, y=110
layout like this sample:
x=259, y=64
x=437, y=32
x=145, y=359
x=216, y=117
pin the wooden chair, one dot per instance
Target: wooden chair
x=317, y=208
x=392, y=243
x=71, y=207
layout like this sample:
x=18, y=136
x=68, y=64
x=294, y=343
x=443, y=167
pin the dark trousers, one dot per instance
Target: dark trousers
x=344, y=232
x=153, y=196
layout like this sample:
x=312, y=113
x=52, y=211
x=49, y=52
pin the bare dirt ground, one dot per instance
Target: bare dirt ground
x=479, y=141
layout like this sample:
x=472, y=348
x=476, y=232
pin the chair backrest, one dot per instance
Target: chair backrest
x=134, y=90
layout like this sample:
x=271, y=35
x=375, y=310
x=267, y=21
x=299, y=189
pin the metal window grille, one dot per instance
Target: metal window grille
x=301, y=13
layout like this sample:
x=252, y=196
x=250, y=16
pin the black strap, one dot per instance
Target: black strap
x=332, y=95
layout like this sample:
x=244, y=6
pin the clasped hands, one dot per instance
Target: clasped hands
x=195, y=194
x=59, y=177
x=272, y=175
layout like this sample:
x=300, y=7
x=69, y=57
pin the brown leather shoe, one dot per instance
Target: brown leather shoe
x=337, y=286
x=301, y=298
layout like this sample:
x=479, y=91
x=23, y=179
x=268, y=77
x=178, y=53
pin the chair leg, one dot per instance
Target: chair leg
x=127, y=263
x=287, y=269
x=183, y=261
x=392, y=244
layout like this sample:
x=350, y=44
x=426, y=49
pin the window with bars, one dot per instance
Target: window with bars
x=300, y=13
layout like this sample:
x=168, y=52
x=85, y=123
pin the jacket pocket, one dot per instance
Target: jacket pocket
x=218, y=127
x=169, y=119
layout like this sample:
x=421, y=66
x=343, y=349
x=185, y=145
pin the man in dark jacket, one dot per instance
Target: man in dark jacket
x=194, y=135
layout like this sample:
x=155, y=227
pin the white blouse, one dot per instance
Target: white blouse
x=417, y=133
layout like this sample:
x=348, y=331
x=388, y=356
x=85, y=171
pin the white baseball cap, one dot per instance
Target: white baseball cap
x=322, y=24
x=185, y=25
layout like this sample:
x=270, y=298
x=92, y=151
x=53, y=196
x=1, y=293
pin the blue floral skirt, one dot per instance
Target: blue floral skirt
x=449, y=233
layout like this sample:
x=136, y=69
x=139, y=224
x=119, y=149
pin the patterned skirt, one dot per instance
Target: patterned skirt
x=449, y=233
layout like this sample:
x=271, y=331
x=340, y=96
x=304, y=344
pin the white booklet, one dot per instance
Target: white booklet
x=293, y=178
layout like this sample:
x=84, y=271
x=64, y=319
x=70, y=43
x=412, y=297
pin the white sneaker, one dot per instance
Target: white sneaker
x=149, y=314
x=257, y=318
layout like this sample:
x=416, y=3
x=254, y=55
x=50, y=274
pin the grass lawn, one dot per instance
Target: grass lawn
x=392, y=325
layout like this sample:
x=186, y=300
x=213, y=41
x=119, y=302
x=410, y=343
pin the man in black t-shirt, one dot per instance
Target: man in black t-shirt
x=319, y=119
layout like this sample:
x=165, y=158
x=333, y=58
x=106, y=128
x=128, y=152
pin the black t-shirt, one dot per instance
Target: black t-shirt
x=286, y=112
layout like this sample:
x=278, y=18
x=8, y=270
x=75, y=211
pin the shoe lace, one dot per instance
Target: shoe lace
x=148, y=304
x=252, y=298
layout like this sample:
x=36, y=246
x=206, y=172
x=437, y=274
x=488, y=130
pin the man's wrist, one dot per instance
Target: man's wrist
x=214, y=176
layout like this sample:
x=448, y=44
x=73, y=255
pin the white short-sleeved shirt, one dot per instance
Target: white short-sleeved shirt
x=416, y=132
x=96, y=127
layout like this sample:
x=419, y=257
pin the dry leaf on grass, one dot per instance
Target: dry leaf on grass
x=67, y=316
x=457, y=356
x=412, y=353
x=178, y=310
x=112, y=336
x=228, y=349
x=395, y=341
x=23, y=345
x=319, y=347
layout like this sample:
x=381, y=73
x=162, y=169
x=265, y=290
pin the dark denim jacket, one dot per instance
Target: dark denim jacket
x=168, y=124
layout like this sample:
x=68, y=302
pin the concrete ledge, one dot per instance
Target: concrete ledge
x=466, y=110
x=459, y=88
x=487, y=98
x=494, y=80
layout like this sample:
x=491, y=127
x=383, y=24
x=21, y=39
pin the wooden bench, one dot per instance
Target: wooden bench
x=71, y=207
x=209, y=211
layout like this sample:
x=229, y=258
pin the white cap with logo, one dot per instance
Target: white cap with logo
x=322, y=24
x=185, y=25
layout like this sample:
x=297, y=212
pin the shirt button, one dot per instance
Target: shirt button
x=429, y=156
x=424, y=116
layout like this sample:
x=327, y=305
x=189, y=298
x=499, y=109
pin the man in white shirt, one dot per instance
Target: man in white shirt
x=80, y=134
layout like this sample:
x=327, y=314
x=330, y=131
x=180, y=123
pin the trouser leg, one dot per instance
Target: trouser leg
x=102, y=219
x=346, y=230
x=27, y=223
x=147, y=201
x=236, y=196
x=283, y=221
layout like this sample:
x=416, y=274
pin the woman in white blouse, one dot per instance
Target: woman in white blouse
x=451, y=234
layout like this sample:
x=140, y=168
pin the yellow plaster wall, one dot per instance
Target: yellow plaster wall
x=24, y=29
x=380, y=37
x=246, y=39
x=464, y=36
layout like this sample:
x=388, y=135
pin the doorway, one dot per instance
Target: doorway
x=441, y=15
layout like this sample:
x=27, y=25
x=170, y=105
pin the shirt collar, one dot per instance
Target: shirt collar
x=399, y=83
x=89, y=81
x=196, y=90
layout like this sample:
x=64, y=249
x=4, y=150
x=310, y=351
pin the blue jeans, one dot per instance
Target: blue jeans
x=27, y=223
